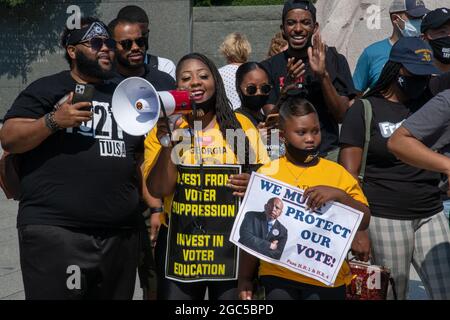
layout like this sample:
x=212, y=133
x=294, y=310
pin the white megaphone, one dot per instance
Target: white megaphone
x=136, y=105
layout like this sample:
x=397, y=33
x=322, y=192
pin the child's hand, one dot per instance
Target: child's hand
x=239, y=183
x=318, y=196
x=245, y=289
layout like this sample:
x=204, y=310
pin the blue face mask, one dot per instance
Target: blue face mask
x=412, y=28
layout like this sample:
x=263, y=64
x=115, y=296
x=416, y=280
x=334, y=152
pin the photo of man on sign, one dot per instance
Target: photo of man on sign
x=313, y=243
x=262, y=232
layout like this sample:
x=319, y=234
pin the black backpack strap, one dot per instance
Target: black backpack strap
x=153, y=61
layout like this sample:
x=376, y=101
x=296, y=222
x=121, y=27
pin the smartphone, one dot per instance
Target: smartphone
x=83, y=93
x=272, y=120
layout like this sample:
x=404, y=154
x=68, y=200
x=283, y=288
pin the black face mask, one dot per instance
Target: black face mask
x=413, y=86
x=441, y=49
x=254, y=103
x=302, y=156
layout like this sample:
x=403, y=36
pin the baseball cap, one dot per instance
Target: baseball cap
x=434, y=19
x=415, y=55
x=414, y=8
x=299, y=4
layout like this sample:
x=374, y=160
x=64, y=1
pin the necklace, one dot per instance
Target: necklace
x=296, y=177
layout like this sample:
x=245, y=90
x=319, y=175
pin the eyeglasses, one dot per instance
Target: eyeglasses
x=128, y=43
x=265, y=89
x=97, y=43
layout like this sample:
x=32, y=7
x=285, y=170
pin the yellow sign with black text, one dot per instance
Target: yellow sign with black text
x=202, y=216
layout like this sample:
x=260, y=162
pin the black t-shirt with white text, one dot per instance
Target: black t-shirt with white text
x=340, y=75
x=394, y=189
x=78, y=177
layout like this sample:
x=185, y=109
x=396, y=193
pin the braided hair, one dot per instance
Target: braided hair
x=389, y=74
x=225, y=116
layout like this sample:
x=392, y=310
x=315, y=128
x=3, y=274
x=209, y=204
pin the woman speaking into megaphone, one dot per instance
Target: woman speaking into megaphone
x=201, y=179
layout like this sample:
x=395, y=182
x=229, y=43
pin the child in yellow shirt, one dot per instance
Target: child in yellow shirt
x=323, y=181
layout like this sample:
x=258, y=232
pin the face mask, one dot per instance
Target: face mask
x=412, y=28
x=413, y=86
x=302, y=156
x=207, y=105
x=441, y=49
x=254, y=103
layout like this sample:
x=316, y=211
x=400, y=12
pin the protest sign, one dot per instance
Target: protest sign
x=314, y=244
x=202, y=216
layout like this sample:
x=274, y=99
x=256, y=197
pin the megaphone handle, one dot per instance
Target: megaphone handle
x=166, y=118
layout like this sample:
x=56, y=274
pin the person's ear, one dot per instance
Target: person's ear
x=316, y=27
x=71, y=51
x=282, y=31
x=398, y=21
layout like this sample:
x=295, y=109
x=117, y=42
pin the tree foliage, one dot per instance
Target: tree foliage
x=12, y=3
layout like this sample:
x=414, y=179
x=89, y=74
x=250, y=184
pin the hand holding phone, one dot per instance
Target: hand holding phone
x=83, y=93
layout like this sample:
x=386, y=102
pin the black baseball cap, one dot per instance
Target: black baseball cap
x=415, y=55
x=299, y=4
x=435, y=19
x=414, y=8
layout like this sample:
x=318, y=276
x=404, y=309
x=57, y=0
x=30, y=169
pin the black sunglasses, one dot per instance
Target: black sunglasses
x=128, y=43
x=265, y=89
x=97, y=43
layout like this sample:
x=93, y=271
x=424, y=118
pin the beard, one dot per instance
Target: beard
x=92, y=68
x=127, y=64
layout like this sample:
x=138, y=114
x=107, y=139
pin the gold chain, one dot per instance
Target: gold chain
x=298, y=176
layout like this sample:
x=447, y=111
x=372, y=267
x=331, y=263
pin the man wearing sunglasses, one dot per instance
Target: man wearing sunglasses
x=137, y=15
x=77, y=221
x=130, y=52
x=130, y=55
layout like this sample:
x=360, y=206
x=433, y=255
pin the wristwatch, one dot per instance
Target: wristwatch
x=165, y=141
x=51, y=123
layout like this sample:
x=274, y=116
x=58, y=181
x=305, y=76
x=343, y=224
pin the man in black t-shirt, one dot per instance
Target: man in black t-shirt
x=130, y=52
x=79, y=204
x=320, y=70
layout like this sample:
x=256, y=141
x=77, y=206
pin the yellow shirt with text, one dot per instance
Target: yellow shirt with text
x=214, y=149
x=325, y=173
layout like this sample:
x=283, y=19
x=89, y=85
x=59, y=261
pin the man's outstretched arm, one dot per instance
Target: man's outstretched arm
x=413, y=152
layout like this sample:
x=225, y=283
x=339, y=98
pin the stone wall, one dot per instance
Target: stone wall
x=258, y=23
x=29, y=36
x=29, y=33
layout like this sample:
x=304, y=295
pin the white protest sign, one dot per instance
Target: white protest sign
x=314, y=244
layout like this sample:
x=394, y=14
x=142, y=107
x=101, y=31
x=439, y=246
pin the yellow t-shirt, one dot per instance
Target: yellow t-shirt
x=325, y=173
x=215, y=149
